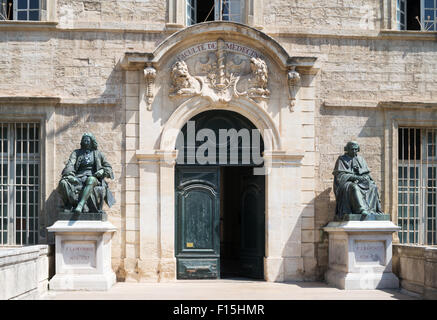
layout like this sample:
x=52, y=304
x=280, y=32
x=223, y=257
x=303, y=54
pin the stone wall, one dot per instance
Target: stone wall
x=77, y=66
x=24, y=272
x=416, y=267
x=112, y=14
x=323, y=14
x=153, y=14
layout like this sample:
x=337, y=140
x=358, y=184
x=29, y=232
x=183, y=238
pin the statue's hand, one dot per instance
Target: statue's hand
x=99, y=173
x=72, y=180
x=361, y=178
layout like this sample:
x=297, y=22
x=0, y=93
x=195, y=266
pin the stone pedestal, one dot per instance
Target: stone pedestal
x=360, y=255
x=83, y=255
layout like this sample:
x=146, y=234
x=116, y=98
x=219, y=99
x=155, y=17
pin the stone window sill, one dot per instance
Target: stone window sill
x=409, y=34
x=16, y=24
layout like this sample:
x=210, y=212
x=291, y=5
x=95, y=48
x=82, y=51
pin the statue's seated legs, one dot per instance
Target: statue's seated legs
x=68, y=194
x=90, y=183
x=358, y=202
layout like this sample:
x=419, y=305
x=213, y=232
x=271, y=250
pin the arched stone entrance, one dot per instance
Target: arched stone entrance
x=219, y=209
x=230, y=67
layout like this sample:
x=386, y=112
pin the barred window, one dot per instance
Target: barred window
x=417, y=185
x=19, y=183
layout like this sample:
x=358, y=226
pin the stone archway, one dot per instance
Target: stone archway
x=273, y=105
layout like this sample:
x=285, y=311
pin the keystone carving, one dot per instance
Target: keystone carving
x=150, y=75
x=293, y=80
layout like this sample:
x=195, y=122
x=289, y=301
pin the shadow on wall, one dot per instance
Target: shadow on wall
x=315, y=248
x=324, y=212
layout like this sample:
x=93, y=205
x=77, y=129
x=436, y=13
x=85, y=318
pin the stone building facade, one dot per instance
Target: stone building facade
x=336, y=71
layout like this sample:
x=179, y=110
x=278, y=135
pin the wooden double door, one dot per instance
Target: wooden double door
x=220, y=227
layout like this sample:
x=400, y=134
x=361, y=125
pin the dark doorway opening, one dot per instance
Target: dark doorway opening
x=241, y=223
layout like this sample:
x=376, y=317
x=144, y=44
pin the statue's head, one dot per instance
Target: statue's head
x=352, y=148
x=88, y=141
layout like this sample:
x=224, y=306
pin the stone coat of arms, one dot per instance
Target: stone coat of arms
x=222, y=75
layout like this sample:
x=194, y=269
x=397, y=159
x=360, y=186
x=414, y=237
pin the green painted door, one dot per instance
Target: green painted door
x=197, y=222
x=252, y=243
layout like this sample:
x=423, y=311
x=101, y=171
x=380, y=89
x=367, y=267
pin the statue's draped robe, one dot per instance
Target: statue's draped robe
x=352, y=200
x=70, y=193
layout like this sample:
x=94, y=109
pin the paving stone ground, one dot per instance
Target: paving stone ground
x=233, y=289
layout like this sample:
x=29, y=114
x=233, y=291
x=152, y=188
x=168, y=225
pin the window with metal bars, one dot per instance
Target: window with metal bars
x=19, y=183
x=417, y=185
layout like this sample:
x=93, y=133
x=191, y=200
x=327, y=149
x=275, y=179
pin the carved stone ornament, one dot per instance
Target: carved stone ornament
x=150, y=76
x=293, y=80
x=183, y=83
x=220, y=69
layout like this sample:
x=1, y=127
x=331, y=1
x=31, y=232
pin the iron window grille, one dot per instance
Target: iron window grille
x=20, y=160
x=417, y=185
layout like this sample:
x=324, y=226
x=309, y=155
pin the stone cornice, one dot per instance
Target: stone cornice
x=353, y=34
x=14, y=25
x=57, y=101
x=29, y=100
x=363, y=104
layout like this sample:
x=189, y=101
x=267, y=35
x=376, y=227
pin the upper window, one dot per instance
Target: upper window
x=27, y=10
x=417, y=15
x=210, y=10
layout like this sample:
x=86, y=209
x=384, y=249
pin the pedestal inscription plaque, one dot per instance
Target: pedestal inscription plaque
x=79, y=254
x=369, y=252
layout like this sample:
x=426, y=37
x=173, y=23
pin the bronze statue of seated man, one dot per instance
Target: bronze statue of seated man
x=355, y=191
x=82, y=186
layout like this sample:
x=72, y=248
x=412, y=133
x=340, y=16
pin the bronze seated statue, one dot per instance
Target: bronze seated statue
x=83, y=187
x=355, y=191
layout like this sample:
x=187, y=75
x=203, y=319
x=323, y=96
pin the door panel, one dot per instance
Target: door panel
x=252, y=244
x=197, y=222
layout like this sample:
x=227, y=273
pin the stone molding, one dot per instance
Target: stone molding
x=30, y=100
x=156, y=155
x=361, y=226
x=380, y=104
x=85, y=226
x=56, y=101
